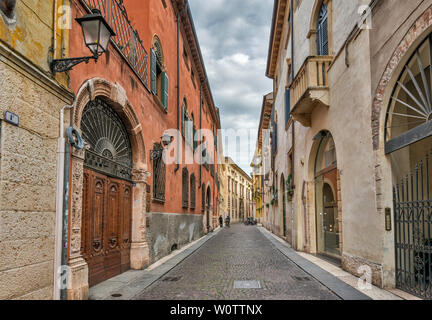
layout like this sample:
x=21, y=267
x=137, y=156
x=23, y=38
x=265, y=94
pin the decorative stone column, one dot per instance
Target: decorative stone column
x=140, y=254
x=78, y=286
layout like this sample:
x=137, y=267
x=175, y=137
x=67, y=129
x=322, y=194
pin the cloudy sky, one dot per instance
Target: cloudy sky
x=234, y=37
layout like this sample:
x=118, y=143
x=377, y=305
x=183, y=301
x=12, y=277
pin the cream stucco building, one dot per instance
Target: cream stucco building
x=350, y=126
x=237, y=192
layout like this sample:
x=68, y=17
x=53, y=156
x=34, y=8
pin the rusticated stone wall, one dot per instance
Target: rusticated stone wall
x=28, y=155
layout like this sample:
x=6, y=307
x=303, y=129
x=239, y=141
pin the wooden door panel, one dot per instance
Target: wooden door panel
x=107, y=209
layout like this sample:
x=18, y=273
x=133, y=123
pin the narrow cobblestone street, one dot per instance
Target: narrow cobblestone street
x=240, y=253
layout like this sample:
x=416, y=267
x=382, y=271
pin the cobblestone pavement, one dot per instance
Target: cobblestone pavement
x=237, y=254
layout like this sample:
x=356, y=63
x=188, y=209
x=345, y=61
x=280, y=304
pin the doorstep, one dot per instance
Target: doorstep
x=331, y=276
x=127, y=285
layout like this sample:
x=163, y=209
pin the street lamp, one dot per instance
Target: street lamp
x=97, y=34
x=166, y=139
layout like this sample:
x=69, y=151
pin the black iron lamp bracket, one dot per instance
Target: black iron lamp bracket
x=62, y=65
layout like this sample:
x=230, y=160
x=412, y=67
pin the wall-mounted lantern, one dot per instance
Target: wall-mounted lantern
x=8, y=7
x=97, y=34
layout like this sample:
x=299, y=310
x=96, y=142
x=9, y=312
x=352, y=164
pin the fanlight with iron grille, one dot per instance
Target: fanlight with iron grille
x=110, y=149
x=411, y=101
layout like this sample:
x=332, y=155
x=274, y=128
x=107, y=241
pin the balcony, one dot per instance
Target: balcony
x=310, y=88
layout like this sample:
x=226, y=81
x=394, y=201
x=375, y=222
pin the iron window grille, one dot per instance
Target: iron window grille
x=110, y=150
x=159, y=172
x=127, y=39
x=192, y=192
x=185, y=188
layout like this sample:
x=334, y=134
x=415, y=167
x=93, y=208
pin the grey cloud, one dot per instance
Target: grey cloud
x=234, y=37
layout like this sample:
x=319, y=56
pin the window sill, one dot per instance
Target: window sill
x=158, y=201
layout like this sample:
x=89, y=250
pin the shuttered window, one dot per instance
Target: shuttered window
x=185, y=188
x=153, y=67
x=322, y=32
x=192, y=192
x=165, y=88
x=287, y=106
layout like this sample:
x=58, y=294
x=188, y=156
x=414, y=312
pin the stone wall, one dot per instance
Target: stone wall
x=28, y=155
x=169, y=231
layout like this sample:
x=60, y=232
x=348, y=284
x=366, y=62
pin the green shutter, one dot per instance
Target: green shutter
x=153, y=71
x=165, y=88
x=195, y=141
x=183, y=121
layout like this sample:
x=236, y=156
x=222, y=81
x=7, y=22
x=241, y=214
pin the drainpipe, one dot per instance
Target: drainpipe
x=59, y=205
x=178, y=94
x=293, y=123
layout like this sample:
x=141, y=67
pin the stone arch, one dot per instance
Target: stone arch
x=116, y=97
x=157, y=46
x=416, y=34
x=310, y=219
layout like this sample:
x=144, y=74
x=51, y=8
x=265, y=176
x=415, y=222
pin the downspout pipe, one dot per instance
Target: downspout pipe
x=178, y=95
x=58, y=243
x=293, y=123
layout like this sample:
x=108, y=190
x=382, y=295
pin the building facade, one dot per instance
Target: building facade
x=348, y=155
x=30, y=102
x=151, y=82
x=239, y=199
x=141, y=162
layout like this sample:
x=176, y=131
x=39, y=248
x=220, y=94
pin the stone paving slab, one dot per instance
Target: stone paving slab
x=240, y=253
x=132, y=282
x=339, y=287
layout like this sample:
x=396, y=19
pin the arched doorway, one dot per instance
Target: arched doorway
x=107, y=193
x=408, y=143
x=327, y=213
x=284, y=213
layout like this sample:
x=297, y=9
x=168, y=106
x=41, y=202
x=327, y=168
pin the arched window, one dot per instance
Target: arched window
x=159, y=77
x=185, y=188
x=192, y=192
x=322, y=32
x=410, y=109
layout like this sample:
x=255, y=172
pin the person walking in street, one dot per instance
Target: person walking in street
x=227, y=221
x=221, y=221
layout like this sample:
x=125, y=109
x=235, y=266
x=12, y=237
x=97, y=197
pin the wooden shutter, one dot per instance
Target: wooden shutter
x=185, y=188
x=287, y=105
x=322, y=35
x=153, y=63
x=165, y=88
x=183, y=113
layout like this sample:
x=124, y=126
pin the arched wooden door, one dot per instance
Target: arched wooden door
x=107, y=193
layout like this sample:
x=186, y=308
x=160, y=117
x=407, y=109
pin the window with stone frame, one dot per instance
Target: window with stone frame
x=185, y=188
x=203, y=197
x=159, y=172
x=322, y=31
x=192, y=191
x=159, y=77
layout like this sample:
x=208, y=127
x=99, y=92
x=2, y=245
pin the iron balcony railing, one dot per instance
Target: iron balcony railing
x=127, y=38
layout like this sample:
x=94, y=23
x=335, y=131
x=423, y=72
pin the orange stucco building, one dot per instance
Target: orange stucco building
x=129, y=207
